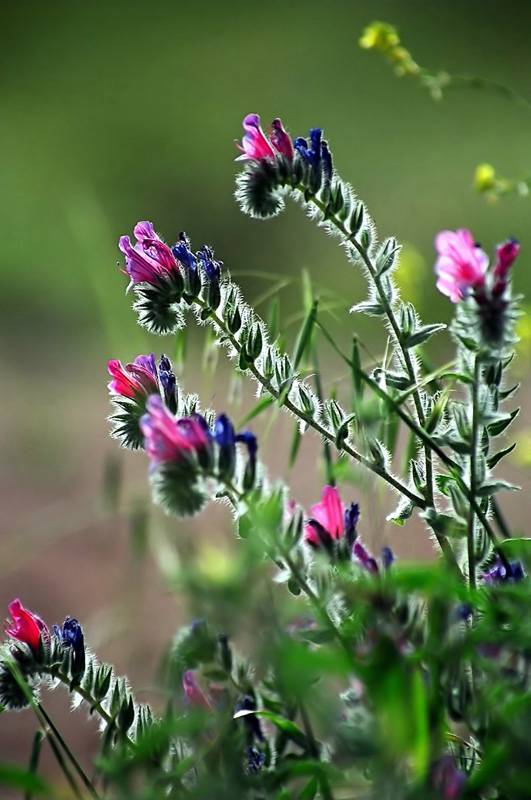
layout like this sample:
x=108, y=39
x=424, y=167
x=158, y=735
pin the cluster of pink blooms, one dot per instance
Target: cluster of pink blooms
x=26, y=626
x=150, y=259
x=168, y=439
x=256, y=145
x=462, y=265
x=138, y=378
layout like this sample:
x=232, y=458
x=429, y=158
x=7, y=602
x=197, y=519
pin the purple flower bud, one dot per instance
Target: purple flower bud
x=366, y=560
x=351, y=516
x=168, y=383
x=388, y=557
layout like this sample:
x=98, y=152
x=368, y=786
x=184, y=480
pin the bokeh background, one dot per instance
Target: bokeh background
x=118, y=111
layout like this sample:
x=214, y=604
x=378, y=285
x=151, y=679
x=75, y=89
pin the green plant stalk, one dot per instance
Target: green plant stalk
x=77, y=766
x=426, y=438
x=51, y=732
x=64, y=766
x=393, y=322
x=473, y=476
x=310, y=421
x=87, y=697
x=326, y=790
x=33, y=765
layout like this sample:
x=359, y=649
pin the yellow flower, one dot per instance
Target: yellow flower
x=485, y=178
x=379, y=36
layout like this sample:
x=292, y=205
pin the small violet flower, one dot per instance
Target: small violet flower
x=71, y=635
x=168, y=439
x=461, y=265
x=26, y=627
x=149, y=260
x=255, y=144
x=138, y=378
x=512, y=572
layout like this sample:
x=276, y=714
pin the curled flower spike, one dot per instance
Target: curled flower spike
x=138, y=378
x=71, y=635
x=26, y=626
x=149, y=260
x=461, y=265
x=169, y=440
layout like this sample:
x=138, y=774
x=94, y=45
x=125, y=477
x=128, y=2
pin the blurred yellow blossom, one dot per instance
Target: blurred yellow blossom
x=384, y=37
x=379, y=36
x=217, y=565
x=484, y=178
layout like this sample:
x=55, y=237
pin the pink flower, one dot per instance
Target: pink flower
x=281, y=140
x=168, y=439
x=150, y=259
x=256, y=145
x=506, y=253
x=26, y=626
x=195, y=695
x=328, y=514
x=331, y=521
x=138, y=378
x=461, y=265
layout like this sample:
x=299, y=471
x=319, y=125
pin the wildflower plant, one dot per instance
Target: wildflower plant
x=356, y=675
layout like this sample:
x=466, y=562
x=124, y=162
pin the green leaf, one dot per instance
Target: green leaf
x=19, y=778
x=444, y=524
x=496, y=428
x=264, y=403
x=310, y=790
x=422, y=335
x=489, y=489
x=370, y=307
x=304, y=337
x=295, y=444
x=497, y=457
x=289, y=728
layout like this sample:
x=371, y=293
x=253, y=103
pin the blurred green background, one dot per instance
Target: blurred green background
x=118, y=111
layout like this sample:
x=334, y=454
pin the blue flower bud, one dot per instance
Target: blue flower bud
x=249, y=439
x=71, y=635
x=168, y=383
x=226, y=441
x=387, y=557
x=352, y=513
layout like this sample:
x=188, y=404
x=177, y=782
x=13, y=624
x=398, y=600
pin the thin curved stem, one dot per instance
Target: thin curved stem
x=395, y=327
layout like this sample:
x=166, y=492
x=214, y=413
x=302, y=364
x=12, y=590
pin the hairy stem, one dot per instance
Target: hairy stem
x=471, y=539
x=393, y=322
x=310, y=421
